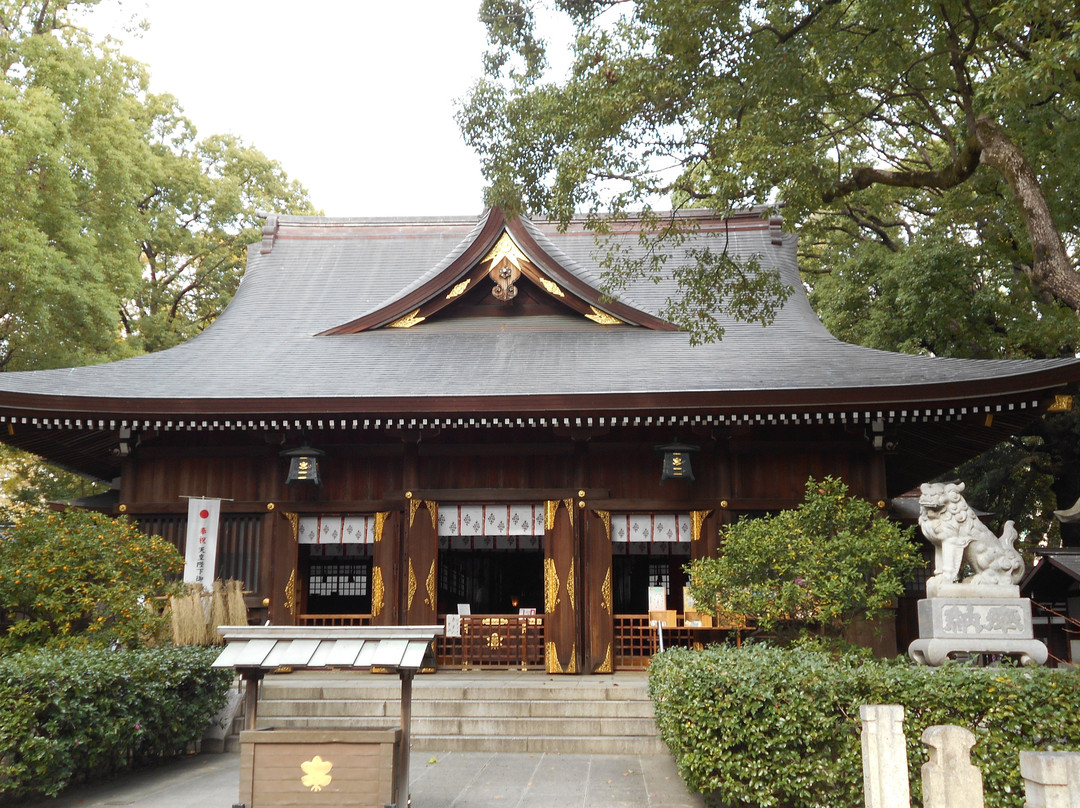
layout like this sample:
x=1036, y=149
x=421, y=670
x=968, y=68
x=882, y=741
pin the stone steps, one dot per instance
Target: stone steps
x=476, y=712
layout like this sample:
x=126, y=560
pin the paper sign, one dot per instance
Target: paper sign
x=200, y=550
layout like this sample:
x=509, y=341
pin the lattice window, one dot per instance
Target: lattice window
x=660, y=575
x=338, y=578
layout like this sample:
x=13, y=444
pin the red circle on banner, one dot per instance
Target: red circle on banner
x=204, y=514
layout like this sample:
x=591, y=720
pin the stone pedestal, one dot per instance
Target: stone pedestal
x=1051, y=779
x=975, y=625
x=949, y=780
x=884, y=756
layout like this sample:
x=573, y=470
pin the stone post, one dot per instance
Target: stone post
x=884, y=755
x=949, y=780
x=1051, y=779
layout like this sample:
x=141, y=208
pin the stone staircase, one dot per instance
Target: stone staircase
x=492, y=711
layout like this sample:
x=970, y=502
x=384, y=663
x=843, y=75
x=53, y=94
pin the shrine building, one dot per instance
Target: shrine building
x=472, y=427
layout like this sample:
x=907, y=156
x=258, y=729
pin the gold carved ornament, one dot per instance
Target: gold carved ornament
x=506, y=261
x=552, y=287
x=458, y=290
x=570, y=584
x=380, y=523
x=697, y=519
x=429, y=584
x=378, y=592
x=433, y=512
x=605, y=666
x=551, y=659
x=602, y=317
x=1061, y=403
x=571, y=666
x=605, y=517
x=412, y=586
x=605, y=592
x=414, y=505
x=551, y=507
x=290, y=594
x=408, y=321
x=294, y=524
x=316, y=773
x=551, y=586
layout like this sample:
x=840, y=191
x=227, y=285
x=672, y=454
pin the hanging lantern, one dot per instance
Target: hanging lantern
x=676, y=462
x=303, y=465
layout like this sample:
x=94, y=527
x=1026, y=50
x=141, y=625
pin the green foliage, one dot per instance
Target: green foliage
x=27, y=483
x=81, y=578
x=200, y=213
x=76, y=714
x=122, y=232
x=869, y=121
x=764, y=727
x=926, y=298
x=819, y=566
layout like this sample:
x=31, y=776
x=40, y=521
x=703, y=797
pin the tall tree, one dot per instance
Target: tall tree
x=74, y=159
x=199, y=216
x=860, y=114
x=120, y=231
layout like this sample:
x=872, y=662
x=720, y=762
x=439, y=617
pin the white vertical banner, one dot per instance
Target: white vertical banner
x=200, y=552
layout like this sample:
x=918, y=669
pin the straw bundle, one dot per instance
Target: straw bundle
x=197, y=613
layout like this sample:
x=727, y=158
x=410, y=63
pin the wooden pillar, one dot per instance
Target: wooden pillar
x=283, y=576
x=386, y=570
x=560, y=588
x=419, y=573
x=598, y=599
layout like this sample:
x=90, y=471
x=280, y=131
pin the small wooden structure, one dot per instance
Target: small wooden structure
x=328, y=767
x=291, y=768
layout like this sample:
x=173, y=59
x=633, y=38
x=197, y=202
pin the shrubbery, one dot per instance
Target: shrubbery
x=81, y=578
x=828, y=561
x=73, y=714
x=779, y=728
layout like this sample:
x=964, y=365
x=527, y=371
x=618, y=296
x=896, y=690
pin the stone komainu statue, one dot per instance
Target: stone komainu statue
x=957, y=535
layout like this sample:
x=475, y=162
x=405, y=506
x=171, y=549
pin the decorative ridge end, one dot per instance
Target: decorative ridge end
x=269, y=231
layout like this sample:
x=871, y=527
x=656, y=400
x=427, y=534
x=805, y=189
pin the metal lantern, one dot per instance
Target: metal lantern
x=676, y=462
x=303, y=465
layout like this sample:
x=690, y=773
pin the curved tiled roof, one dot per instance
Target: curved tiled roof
x=312, y=274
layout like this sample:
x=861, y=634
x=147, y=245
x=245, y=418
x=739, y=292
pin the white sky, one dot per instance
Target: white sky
x=355, y=98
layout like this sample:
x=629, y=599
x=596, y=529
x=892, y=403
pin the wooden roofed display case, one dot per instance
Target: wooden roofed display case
x=488, y=419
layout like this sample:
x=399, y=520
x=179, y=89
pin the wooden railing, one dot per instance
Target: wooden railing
x=333, y=619
x=1070, y=628
x=490, y=641
x=636, y=639
x=504, y=641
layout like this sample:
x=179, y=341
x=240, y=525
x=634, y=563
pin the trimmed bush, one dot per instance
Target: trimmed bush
x=766, y=727
x=70, y=715
x=818, y=567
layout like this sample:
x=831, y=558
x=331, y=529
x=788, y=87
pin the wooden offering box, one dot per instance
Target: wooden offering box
x=311, y=768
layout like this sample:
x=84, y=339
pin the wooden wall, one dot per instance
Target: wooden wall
x=739, y=472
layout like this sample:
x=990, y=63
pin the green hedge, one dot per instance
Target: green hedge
x=69, y=715
x=765, y=727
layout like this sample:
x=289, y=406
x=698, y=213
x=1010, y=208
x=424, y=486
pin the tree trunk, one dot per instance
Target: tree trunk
x=1051, y=269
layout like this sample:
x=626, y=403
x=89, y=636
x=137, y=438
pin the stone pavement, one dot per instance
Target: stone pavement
x=446, y=780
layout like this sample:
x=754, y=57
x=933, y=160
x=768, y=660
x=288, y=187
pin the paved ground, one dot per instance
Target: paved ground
x=446, y=780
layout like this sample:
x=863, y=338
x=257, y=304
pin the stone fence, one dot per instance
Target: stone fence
x=949, y=780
